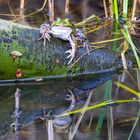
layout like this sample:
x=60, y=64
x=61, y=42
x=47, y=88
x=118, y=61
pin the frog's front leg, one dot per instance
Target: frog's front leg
x=45, y=31
x=72, y=51
x=82, y=40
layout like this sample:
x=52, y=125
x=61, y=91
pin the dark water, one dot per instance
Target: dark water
x=39, y=97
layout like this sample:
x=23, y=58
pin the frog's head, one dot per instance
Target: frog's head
x=62, y=22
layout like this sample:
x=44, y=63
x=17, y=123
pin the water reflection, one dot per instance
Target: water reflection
x=40, y=97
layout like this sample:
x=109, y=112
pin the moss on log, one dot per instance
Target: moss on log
x=38, y=60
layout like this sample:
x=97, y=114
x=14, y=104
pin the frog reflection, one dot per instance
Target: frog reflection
x=62, y=124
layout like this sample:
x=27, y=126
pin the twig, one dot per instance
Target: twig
x=70, y=67
x=33, y=12
x=81, y=116
x=120, y=80
x=107, y=41
x=90, y=121
x=80, y=24
x=138, y=79
x=10, y=15
x=11, y=10
x=93, y=29
x=131, y=77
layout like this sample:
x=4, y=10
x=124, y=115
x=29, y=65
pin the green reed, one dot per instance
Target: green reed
x=116, y=25
x=124, y=28
x=125, y=8
x=102, y=111
x=126, y=33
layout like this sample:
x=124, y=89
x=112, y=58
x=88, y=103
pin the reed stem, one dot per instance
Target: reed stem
x=125, y=8
x=67, y=7
x=109, y=111
x=111, y=8
x=21, y=10
x=134, y=9
x=115, y=9
x=81, y=115
x=138, y=115
x=102, y=110
x=51, y=10
x=105, y=8
x=44, y=4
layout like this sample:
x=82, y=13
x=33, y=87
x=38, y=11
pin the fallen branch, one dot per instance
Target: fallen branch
x=38, y=60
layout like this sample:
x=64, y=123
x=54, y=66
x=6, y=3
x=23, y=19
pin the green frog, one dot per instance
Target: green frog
x=65, y=30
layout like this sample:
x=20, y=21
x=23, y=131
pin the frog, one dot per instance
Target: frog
x=62, y=124
x=64, y=29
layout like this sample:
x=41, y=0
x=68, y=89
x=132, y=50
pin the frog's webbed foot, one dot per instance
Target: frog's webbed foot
x=82, y=40
x=71, y=97
x=71, y=55
x=72, y=51
x=45, y=32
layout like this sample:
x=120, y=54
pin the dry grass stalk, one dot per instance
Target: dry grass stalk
x=110, y=8
x=125, y=48
x=134, y=9
x=81, y=116
x=11, y=10
x=105, y=8
x=44, y=4
x=67, y=7
x=138, y=79
x=51, y=9
x=84, y=9
x=21, y=10
x=110, y=122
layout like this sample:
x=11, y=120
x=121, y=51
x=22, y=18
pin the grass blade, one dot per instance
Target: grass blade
x=125, y=8
x=98, y=105
x=127, y=36
x=128, y=89
x=102, y=110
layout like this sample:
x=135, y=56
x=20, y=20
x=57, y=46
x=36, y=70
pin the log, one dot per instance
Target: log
x=38, y=60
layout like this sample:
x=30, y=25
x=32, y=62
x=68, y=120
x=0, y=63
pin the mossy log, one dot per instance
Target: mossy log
x=38, y=60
